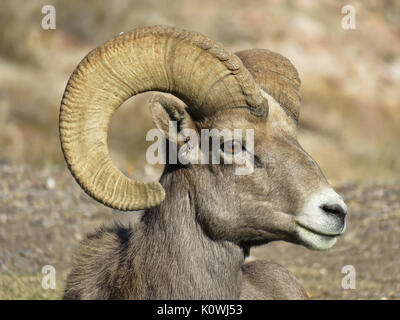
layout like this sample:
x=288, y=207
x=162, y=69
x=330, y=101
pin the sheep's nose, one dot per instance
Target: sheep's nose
x=324, y=213
x=335, y=209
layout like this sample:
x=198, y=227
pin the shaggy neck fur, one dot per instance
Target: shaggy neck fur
x=181, y=260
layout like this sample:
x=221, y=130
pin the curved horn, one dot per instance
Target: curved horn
x=276, y=75
x=186, y=64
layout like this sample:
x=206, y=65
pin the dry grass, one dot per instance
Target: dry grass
x=29, y=287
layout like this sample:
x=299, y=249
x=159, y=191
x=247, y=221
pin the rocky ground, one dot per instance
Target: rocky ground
x=44, y=214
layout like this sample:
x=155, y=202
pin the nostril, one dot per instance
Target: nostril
x=335, y=209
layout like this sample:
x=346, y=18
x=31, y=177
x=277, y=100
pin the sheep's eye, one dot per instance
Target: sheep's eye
x=231, y=147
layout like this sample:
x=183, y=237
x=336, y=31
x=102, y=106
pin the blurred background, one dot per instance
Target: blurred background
x=350, y=124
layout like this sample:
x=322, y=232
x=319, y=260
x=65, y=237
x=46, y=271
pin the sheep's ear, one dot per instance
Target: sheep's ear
x=168, y=113
x=170, y=116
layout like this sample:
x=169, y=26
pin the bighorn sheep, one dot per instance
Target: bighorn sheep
x=192, y=240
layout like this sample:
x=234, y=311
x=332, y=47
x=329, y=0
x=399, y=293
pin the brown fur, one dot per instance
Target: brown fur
x=193, y=245
x=281, y=284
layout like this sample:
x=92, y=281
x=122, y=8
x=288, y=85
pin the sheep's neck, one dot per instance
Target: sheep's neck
x=181, y=261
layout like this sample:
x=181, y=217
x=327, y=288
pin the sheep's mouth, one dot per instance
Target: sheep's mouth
x=318, y=232
x=315, y=240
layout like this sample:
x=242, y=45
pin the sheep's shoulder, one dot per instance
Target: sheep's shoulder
x=103, y=267
x=269, y=280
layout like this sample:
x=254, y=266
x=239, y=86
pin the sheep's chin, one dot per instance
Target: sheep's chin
x=313, y=240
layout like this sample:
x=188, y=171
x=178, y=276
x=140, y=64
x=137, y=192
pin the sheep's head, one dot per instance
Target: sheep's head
x=284, y=197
